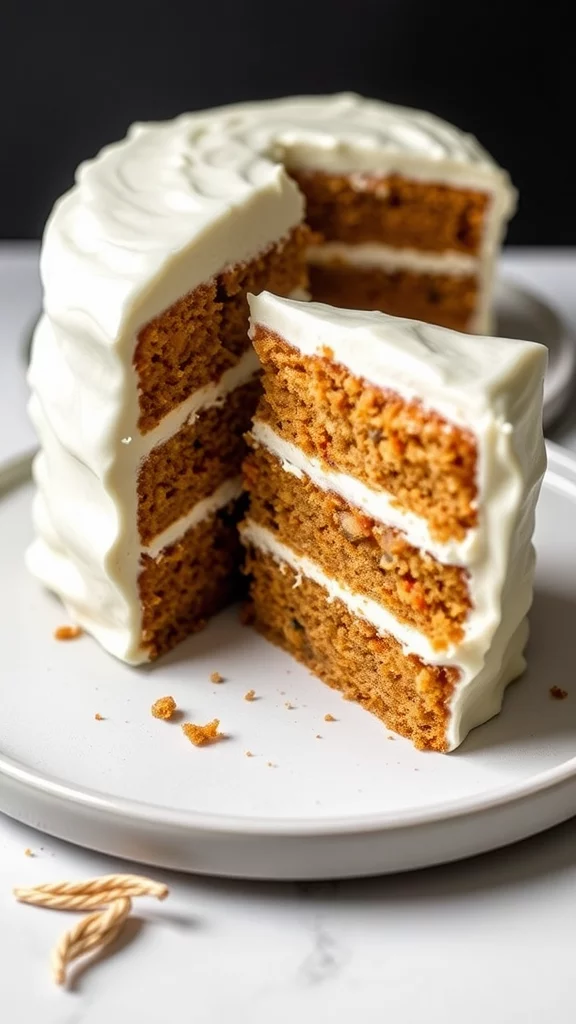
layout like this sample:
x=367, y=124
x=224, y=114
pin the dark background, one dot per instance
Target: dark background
x=73, y=76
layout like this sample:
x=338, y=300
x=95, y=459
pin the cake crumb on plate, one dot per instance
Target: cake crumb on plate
x=67, y=632
x=28, y=852
x=99, y=717
x=200, y=735
x=163, y=708
x=215, y=677
x=250, y=695
x=329, y=718
x=248, y=753
x=557, y=693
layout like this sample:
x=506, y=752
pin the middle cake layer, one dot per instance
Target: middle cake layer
x=370, y=557
x=194, y=461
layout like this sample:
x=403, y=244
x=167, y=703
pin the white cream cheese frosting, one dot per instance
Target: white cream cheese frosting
x=493, y=388
x=149, y=219
x=386, y=257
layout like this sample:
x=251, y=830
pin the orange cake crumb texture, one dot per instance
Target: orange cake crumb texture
x=215, y=677
x=347, y=653
x=199, y=337
x=163, y=708
x=394, y=211
x=191, y=580
x=194, y=462
x=425, y=462
x=98, y=717
x=201, y=735
x=369, y=557
x=448, y=300
x=67, y=632
x=250, y=695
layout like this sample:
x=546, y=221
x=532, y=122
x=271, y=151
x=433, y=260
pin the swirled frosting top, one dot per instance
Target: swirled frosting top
x=173, y=203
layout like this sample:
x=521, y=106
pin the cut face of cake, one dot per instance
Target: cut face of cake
x=393, y=479
x=143, y=379
x=144, y=383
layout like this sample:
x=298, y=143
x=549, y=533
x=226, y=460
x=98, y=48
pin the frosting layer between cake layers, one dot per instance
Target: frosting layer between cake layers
x=493, y=388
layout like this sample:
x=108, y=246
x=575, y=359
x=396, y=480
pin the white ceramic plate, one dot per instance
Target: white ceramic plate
x=520, y=313
x=353, y=802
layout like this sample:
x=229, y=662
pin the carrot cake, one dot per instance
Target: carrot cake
x=393, y=479
x=143, y=379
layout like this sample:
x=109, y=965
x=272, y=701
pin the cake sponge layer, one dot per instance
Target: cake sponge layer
x=393, y=209
x=195, y=461
x=202, y=335
x=348, y=654
x=368, y=556
x=445, y=299
x=391, y=444
x=189, y=581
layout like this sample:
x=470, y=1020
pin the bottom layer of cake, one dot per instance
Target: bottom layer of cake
x=445, y=299
x=191, y=580
x=348, y=654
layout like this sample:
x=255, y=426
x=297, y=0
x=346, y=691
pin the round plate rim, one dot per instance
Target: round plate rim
x=561, y=372
x=561, y=469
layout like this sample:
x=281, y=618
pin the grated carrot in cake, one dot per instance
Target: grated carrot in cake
x=201, y=735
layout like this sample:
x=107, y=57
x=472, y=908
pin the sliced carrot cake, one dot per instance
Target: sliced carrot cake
x=393, y=478
x=142, y=375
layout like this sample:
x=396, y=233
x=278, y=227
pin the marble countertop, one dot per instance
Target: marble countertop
x=490, y=938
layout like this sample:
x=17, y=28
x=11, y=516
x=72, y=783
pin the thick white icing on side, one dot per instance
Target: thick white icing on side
x=492, y=387
x=77, y=523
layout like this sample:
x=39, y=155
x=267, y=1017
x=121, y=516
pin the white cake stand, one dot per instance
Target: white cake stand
x=317, y=799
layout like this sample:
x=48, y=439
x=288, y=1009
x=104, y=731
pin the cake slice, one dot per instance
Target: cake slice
x=393, y=477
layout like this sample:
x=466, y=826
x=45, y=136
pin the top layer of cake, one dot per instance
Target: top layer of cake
x=150, y=217
x=461, y=379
